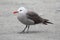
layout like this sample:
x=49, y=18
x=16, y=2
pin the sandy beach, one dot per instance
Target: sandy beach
x=10, y=27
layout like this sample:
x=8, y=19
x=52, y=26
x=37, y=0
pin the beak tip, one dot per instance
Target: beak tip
x=15, y=12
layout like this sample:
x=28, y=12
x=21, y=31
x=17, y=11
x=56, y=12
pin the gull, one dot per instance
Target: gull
x=28, y=18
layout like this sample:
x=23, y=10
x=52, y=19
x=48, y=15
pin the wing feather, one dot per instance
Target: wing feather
x=35, y=17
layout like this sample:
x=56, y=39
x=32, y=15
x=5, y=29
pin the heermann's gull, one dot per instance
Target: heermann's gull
x=30, y=18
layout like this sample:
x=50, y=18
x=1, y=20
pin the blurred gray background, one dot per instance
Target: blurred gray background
x=10, y=26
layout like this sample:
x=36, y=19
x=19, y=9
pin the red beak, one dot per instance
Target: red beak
x=15, y=12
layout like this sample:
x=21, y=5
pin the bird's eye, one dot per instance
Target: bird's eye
x=20, y=10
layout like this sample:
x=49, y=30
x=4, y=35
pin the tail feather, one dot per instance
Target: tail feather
x=50, y=22
x=46, y=21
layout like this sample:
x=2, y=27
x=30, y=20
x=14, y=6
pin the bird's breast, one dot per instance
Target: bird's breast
x=23, y=18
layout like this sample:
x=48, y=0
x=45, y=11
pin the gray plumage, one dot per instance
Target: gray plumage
x=30, y=18
x=36, y=18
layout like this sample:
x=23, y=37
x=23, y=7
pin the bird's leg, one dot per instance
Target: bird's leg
x=28, y=28
x=25, y=28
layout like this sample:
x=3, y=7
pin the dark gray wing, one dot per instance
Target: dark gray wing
x=35, y=17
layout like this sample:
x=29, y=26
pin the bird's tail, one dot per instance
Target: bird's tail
x=46, y=21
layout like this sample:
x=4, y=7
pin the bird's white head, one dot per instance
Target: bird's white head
x=21, y=10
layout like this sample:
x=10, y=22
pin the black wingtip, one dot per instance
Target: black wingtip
x=50, y=22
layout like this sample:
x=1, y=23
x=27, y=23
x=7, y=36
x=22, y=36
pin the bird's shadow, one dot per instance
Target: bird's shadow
x=30, y=32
